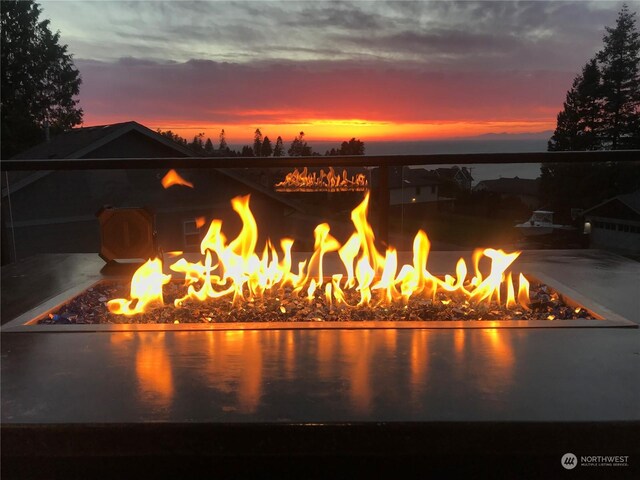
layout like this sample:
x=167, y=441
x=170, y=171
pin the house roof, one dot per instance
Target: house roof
x=81, y=142
x=631, y=200
x=511, y=186
x=451, y=173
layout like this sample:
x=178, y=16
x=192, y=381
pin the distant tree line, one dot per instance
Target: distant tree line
x=601, y=112
x=262, y=146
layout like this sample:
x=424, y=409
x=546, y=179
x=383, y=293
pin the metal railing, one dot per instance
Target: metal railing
x=337, y=161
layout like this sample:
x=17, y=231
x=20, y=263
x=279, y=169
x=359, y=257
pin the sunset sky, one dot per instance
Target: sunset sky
x=373, y=70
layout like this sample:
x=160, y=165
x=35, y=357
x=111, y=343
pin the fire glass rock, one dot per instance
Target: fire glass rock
x=284, y=306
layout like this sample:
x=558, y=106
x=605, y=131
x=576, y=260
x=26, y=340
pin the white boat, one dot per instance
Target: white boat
x=541, y=223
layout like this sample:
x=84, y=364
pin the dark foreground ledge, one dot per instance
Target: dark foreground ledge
x=520, y=449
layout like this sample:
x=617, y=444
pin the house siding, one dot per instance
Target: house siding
x=422, y=194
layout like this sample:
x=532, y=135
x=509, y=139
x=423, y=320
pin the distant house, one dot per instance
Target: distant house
x=459, y=176
x=615, y=223
x=416, y=190
x=526, y=190
x=412, y=185
x=54, y=211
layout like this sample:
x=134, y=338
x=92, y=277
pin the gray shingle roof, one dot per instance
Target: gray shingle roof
x=80, y=142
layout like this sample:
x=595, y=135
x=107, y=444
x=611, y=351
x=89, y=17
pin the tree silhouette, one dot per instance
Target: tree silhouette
x=578, y=122
x=257, y=143
x=173, y=136
x=223, y=147
x=602, y=108
x=601, y=111
x=278, y=150
x=620, y=59
x=197, y=145
x=208, y=147
x=39, y=79
x=352, y=147
x=247, y=151
x=266, y=149
x=299, y=147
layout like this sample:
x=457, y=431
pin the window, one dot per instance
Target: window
x=191, y=233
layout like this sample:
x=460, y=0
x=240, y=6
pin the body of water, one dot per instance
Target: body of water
x=475, y=145
x=479, y=172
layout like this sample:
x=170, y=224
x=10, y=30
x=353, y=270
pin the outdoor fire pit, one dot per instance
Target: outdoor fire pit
x=334, y=286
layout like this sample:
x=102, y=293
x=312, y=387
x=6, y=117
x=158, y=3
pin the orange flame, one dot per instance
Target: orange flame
x=146, y=289
x=324, y=181
x=523, y=292
x=200, y=221
x=235, y=269
x=172, y=178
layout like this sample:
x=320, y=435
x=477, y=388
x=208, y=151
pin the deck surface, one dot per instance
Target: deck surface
x=568, y=374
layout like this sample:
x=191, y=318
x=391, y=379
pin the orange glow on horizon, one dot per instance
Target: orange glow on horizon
x=340, y=130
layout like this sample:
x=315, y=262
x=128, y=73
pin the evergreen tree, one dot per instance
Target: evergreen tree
x=601, y=111
x=266, y=149
x=579, y=122
x=197, y=145
x=352, y=147
x=247, y=151
x=299, y=147
x=39, y=80
x=223, y=142
x=278, y=150
x=208, y=147
x=602, y=108
x=173, y=136
x=257, y=143
x=620, y=59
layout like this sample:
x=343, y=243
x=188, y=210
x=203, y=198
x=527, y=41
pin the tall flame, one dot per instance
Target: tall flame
x=146, y=289
x=236, y=270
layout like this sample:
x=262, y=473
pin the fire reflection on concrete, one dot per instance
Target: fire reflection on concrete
x=153, y=370
x=346, y=369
